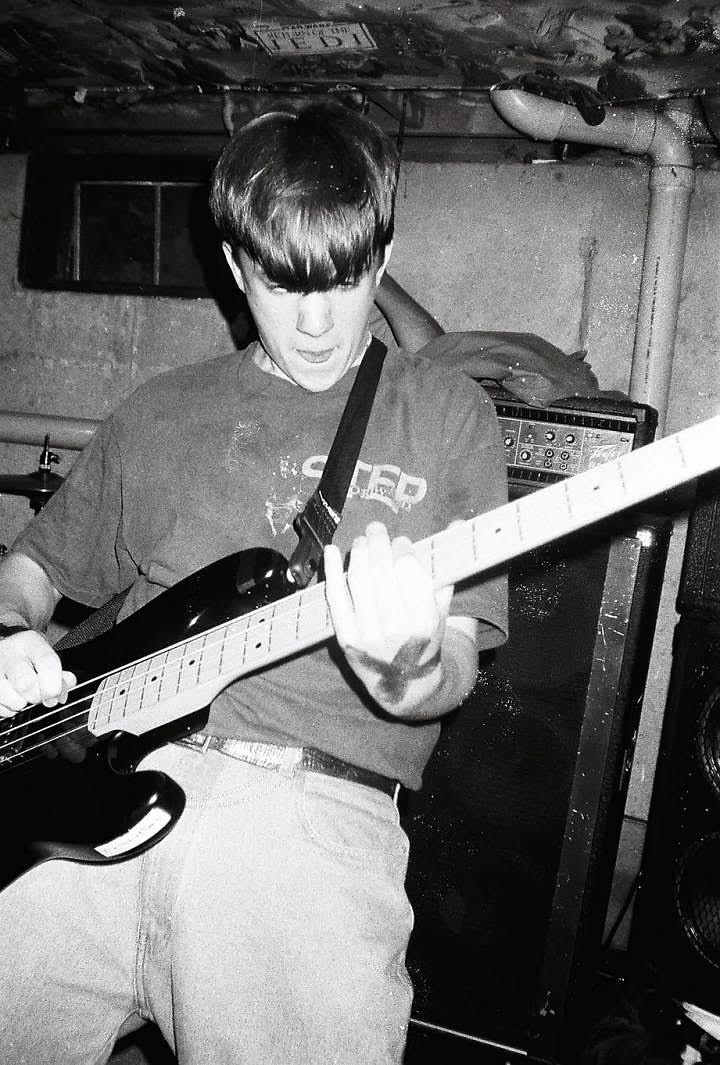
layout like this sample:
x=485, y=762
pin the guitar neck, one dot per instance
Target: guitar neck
x=188, y=675
x=496, y=537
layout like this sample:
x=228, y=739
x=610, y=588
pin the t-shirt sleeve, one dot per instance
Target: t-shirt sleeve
x=77, y=536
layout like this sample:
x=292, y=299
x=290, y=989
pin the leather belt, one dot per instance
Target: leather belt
x=277, y=757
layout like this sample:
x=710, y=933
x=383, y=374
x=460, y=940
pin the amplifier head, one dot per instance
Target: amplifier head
x=547, y=444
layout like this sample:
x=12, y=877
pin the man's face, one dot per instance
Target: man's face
x=312, y=338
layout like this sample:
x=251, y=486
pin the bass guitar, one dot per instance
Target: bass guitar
x=151, y=678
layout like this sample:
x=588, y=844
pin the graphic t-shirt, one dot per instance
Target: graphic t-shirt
x=218, y=457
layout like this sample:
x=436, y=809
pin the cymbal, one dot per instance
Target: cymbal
x=40, y=483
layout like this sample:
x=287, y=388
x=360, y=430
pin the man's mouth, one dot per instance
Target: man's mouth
x=317, y=357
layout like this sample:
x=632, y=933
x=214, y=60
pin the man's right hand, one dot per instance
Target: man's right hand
x=30, y=672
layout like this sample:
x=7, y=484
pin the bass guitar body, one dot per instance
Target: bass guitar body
x=67, y=793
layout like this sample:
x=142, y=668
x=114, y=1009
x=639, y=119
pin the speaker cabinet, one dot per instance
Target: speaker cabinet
x=676, y=926
x=514, y=835
x=699, y=590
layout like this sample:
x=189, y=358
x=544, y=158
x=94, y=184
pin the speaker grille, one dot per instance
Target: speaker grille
x=708, y=742
x=676, y=925
x=697, y=897
x=700, y=579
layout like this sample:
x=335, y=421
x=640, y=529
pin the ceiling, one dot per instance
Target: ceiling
x=110, y=62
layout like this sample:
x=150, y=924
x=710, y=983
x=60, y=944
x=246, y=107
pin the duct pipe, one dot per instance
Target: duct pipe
x=664, y=137
x=18, y=428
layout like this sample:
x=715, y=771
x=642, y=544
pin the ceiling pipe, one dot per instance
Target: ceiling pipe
x=664, y=136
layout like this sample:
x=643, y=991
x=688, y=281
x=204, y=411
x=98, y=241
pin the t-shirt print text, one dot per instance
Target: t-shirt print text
x=383, y=482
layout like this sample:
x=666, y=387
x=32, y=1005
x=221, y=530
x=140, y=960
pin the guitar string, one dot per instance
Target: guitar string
x=110, y=693
x=245, y=626
x=678, y=457
x=430, y=551
x=434, y=545
x=442, y=545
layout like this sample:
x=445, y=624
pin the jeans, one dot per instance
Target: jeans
x=268, y=928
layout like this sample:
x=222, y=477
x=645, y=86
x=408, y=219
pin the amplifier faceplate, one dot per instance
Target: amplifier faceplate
x=547, y=444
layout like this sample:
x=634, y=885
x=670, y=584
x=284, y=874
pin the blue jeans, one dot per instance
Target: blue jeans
x=268, y=928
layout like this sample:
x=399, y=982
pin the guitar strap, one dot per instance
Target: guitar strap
x=316, y=524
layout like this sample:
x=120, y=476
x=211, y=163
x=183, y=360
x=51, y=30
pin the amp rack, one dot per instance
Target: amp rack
x=544, y=445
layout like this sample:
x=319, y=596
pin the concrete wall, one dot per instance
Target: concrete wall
x=549, y=248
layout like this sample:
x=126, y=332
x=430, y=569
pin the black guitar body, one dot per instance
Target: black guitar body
x=77, y=796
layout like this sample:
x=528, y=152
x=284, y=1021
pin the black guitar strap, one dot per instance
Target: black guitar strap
x=316, y=524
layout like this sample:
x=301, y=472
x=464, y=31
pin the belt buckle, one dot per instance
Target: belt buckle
x=196, y=741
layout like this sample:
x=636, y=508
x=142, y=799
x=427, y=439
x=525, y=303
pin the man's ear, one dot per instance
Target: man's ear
x=383, y=265
x=234, y=268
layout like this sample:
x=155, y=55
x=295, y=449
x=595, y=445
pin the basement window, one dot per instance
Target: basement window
x=120, y=225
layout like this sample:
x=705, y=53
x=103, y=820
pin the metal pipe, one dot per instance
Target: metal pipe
x=635, y=130
x=660, y=287
x=19, y=428
x=665, y=138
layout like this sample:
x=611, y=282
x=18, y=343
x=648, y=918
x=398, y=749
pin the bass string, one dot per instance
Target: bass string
x=15, y=748
x=52, y=717
x=32, y=754
x=19, y=726
x=108, y=696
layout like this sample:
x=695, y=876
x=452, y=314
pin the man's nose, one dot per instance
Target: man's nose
x=314, y=314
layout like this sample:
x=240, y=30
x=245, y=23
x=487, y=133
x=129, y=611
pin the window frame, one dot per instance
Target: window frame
x=49, y=258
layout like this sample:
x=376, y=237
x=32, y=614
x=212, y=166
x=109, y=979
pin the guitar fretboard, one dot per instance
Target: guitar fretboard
x=184, y=677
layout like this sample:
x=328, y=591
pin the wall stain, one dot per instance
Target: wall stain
x=588, y=252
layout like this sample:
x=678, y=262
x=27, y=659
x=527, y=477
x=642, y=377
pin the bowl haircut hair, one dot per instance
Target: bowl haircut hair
x=309, y=196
